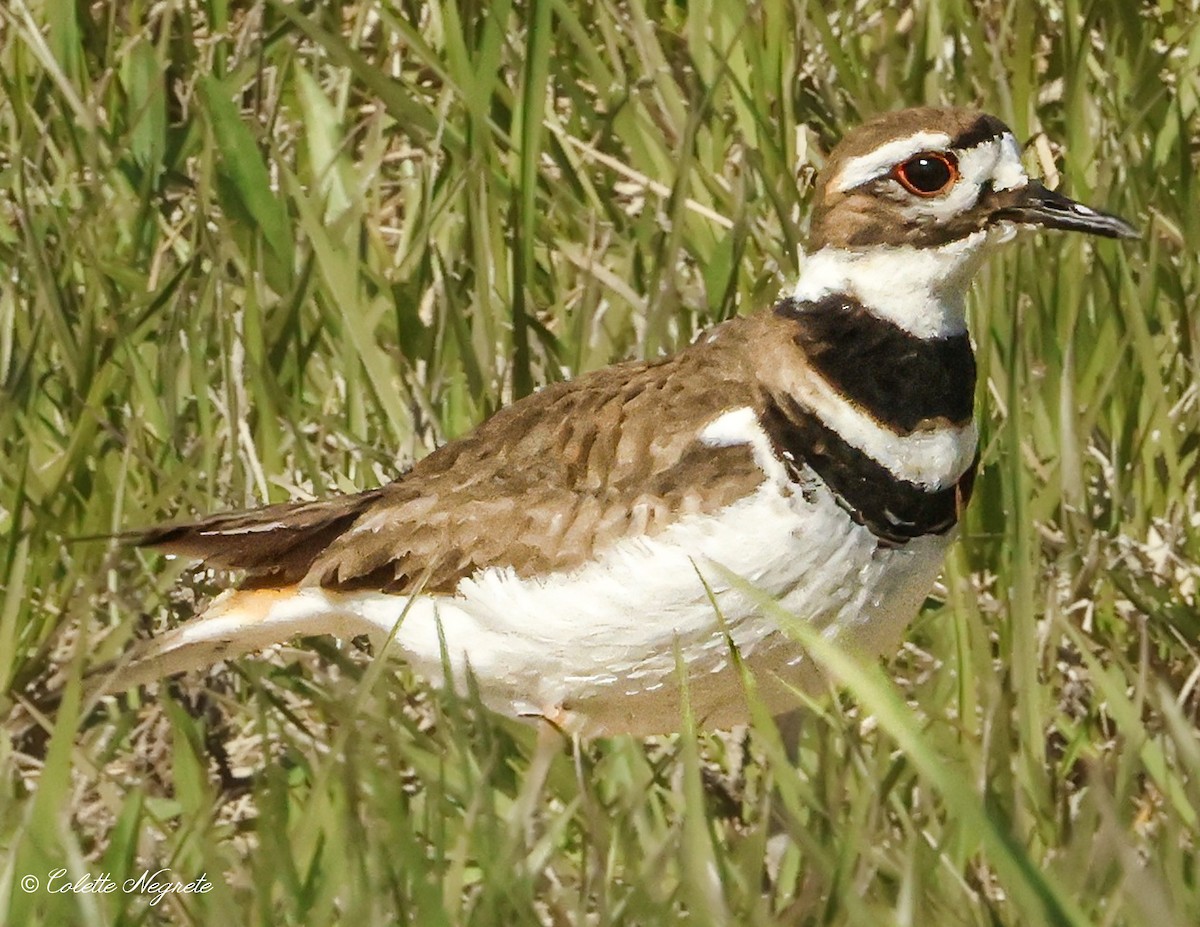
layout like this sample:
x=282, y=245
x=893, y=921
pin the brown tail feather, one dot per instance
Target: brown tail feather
x=276, y=544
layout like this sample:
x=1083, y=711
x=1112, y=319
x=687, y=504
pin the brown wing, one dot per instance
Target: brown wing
x=541, y=486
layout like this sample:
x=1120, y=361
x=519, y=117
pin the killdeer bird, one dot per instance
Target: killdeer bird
x=567, y=550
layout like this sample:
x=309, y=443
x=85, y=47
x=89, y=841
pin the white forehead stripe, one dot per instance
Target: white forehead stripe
x=996, y=161
x=857, y=171
x=1009, y=173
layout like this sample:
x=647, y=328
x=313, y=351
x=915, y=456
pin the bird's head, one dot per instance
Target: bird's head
x=928, y=176
x=908, y=202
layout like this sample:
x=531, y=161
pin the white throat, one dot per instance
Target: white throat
x=922, y=290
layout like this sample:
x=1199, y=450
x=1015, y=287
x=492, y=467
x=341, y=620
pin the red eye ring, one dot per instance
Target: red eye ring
x=927, y=173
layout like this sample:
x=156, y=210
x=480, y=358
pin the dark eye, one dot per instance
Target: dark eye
x=928, y=173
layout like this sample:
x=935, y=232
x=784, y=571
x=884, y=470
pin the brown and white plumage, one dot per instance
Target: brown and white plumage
x=565, y=551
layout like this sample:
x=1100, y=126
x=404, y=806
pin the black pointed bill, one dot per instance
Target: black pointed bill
x=1034, y=205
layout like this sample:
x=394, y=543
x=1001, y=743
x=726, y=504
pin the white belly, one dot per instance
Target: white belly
x=600, y=643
